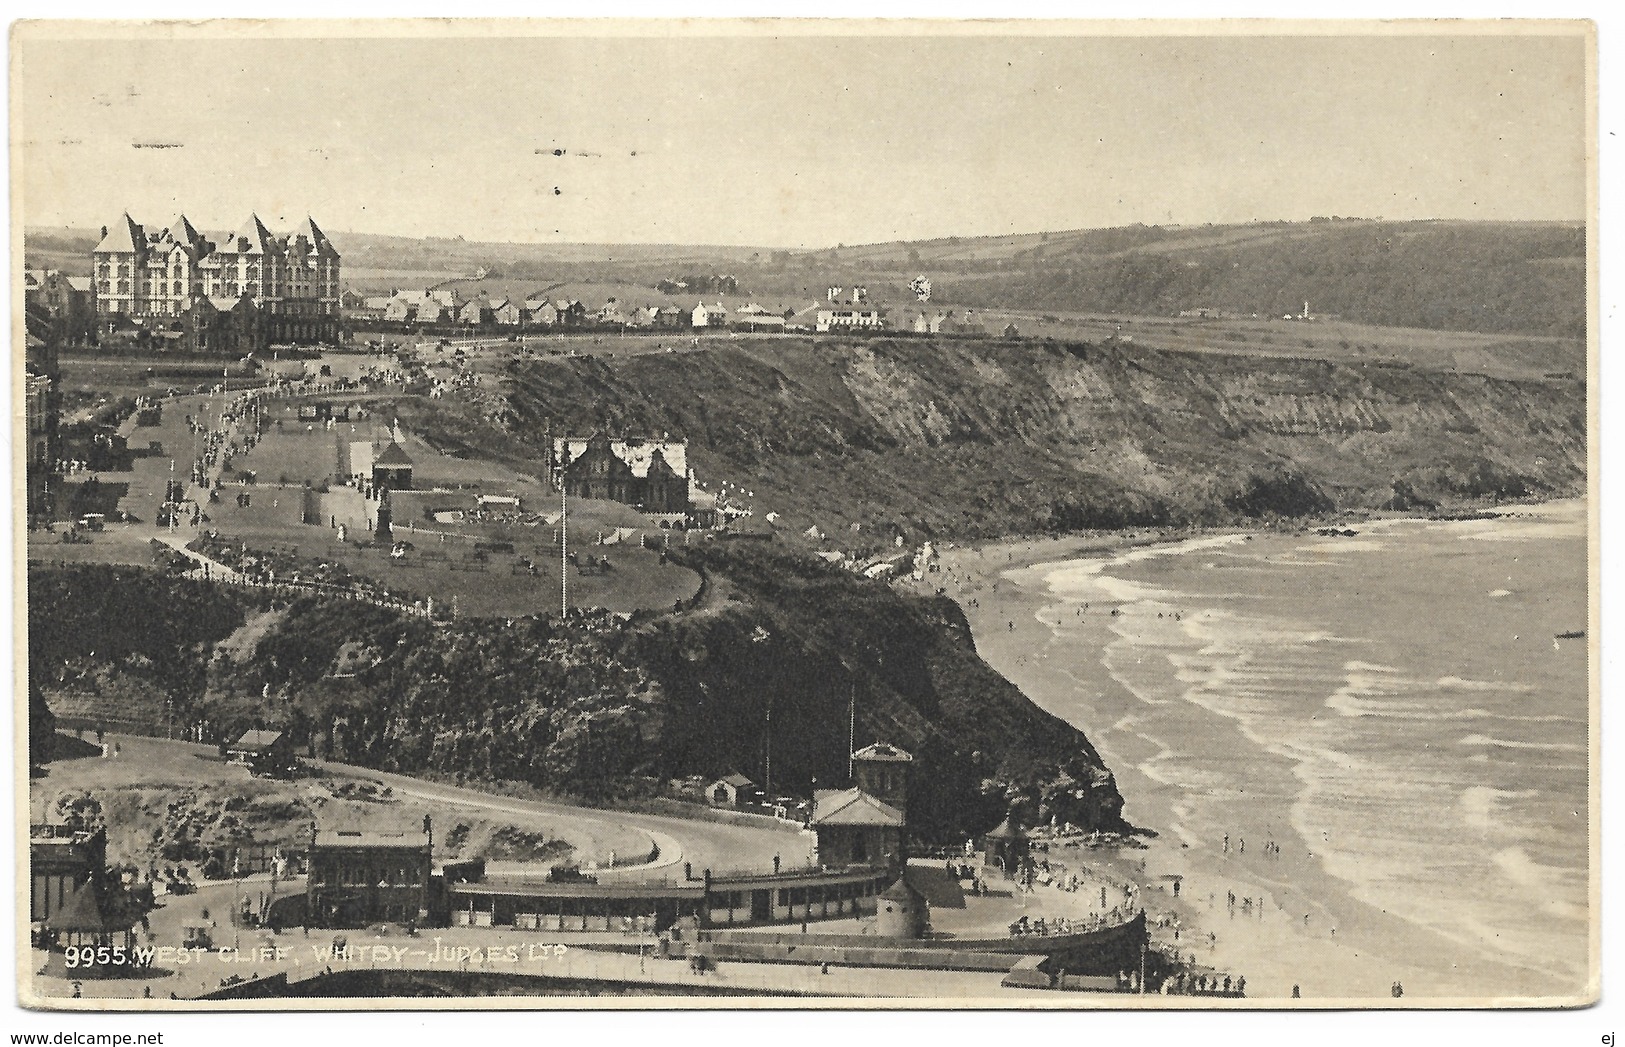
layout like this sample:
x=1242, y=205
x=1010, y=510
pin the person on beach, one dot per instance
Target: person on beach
x=1226, y=843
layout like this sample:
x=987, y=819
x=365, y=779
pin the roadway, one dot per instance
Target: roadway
x=702, y=844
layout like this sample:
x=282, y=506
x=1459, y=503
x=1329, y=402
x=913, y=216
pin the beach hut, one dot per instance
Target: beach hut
x=733, y=791
x=1005, y=846
x=85, y=920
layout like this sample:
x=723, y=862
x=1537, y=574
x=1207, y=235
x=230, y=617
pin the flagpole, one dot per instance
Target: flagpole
x=564, y=555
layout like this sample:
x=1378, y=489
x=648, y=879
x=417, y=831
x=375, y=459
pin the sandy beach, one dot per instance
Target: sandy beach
x=1255, y=898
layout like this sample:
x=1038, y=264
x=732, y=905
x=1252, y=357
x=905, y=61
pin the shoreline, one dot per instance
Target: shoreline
x=1300, y=925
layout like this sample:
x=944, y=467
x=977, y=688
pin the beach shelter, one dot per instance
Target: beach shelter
x=1006, y=847
x=84, y=920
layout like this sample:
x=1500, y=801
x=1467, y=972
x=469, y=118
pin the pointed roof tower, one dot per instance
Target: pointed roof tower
x=183, y=231
x=319, y=243
x=122, y=235
x=252, y=237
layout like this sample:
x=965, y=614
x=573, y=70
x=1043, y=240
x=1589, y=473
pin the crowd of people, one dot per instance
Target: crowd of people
x=284, y=570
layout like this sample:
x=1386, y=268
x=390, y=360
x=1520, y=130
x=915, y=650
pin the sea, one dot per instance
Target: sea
x=1403, y=710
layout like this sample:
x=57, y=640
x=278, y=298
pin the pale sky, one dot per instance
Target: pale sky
x=796, y=141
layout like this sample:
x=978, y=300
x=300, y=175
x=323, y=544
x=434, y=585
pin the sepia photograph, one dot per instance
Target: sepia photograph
x=798, y=513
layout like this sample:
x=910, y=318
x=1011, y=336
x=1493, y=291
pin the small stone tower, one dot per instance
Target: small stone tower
x=901, y=911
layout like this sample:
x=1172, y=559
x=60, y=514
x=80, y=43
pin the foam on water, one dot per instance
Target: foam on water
x=1508, y=743
x=1364, y=789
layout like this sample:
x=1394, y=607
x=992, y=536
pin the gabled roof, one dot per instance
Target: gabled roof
x=256, y=740
x=638, y=454
x=122, y=235
x=884, y=752
x=854, y=807
x=737, y=780
x=394, y=454
x=79, y=283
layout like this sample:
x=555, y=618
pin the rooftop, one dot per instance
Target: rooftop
x=883, y=751
x=636, y=453
x=257, y=740
x=854, y=807
x=394, y=454
x=403, y=839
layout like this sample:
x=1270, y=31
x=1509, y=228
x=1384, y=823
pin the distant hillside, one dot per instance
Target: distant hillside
x=1445, y=276
x=1495, y=277
x=1525, y=277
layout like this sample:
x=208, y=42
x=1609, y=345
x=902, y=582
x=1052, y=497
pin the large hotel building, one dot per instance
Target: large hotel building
x=233, y=292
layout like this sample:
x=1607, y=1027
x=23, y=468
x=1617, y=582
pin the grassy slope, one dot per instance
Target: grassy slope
x=1444, y=276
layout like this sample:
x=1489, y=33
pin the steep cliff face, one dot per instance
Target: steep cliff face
x=766, y=682
x=969, y=439
x=771, y=680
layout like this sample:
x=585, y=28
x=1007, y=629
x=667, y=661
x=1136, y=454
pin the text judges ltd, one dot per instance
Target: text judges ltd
x=357, y=955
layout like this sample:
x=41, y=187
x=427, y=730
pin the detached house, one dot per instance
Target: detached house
x=541, y=313
x=476, y=310
x=649, y=474
x=709, y=316
x=508, y=312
